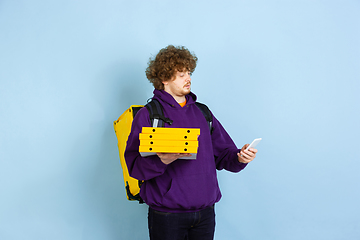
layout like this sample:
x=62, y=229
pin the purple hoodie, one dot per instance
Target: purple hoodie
x=183, y=185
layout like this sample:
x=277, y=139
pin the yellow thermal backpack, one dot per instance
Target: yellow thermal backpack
x=122, y=128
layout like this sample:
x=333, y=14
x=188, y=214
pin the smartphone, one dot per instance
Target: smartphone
x=254, y=143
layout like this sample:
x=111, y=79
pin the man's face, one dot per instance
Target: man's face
x=180, y=86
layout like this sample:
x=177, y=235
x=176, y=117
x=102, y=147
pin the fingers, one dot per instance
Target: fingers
x=168, y=158
x=173, y=155
x=253, y=150
x=243, y=159
x=244, y=147
x=248, y=153
x=246, y=156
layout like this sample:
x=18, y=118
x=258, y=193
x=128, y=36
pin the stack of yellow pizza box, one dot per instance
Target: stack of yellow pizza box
x=169, y=140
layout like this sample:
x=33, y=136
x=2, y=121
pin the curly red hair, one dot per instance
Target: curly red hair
x=167, y=62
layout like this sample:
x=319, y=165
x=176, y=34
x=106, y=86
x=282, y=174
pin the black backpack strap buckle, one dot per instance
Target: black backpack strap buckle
x=157, y=114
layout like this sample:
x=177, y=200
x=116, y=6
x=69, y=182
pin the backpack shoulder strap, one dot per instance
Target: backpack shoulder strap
x=158, y=119
x=156, y=113
x=135, y=110
x=207, y=114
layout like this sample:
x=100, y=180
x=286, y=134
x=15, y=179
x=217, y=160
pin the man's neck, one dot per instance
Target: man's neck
x=179, y=99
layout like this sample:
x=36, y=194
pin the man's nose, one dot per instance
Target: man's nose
x=188, y=78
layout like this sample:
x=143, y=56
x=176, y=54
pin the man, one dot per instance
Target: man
x=181, y=193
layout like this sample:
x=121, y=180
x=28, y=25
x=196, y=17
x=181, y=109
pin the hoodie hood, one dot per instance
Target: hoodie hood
x=165, y=97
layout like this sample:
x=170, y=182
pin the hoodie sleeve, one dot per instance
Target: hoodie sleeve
x=225, y=150
x=141, y=168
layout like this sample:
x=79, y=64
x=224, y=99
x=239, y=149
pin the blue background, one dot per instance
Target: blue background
x=286, y=71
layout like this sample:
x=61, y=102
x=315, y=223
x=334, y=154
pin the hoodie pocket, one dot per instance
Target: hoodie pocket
x=192, y=192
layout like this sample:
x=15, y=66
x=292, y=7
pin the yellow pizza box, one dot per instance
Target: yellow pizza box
x=169, y=137
x=154, y=142
x=165, y=130
x=165, y=149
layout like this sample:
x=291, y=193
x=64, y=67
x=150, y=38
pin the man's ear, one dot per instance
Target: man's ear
x=166, y=82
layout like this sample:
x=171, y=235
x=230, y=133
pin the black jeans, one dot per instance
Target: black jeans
x=180, y=226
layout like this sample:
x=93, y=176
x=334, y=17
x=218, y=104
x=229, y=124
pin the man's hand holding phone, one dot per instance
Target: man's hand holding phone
x=248, y=152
